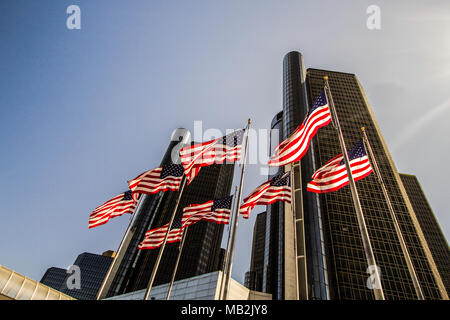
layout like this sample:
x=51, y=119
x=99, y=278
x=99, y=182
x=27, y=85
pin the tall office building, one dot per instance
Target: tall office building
x=290, y=236
x=430, y=226
x=92, y=271
x=278, y=233
x=54, y=277
x=347, y=267
x=201, y=252
x=316, y=252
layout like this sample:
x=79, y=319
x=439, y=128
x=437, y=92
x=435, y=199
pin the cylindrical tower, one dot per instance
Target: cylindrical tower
x=201, y=252
x=273, y=279
x=311, y=265
x=143, y=221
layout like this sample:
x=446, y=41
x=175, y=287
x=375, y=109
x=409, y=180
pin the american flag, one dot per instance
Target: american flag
x=333, y=175
x=167, y=177
x=276, y=189
x=155, y=237
x=224, y=149
x=295, y=146
x=217, y=211
x=117, y=206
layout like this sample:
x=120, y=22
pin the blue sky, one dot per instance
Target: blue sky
x=83, y=111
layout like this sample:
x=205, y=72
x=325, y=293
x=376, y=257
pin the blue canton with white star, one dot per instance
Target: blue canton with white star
x=176, y=224
x=233, y=139
x=224, y=203
x=174, y=170
x=356, y=152
x=127, y=195
x=320, y=101
x=281, y=180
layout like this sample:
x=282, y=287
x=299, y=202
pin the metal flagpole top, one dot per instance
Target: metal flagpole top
x=235, y=221
x=367, y=246
x=398, y=231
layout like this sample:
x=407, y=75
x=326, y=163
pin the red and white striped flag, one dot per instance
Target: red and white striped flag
x=224, y=149
x=295, y=146
x=117, y=206
x=333, y=175
x=276, y=189
x=217, y=211
x=155, y=237
x=167, y=177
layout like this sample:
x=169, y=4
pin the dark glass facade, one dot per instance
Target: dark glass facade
x=330, y=257
x=54, y=277
x=273, y=279
x=296, y=102
x=294, y=93
x=347, y=267
x=430, y=226
x=201, y=253
x=311, y=256
x=93, y=269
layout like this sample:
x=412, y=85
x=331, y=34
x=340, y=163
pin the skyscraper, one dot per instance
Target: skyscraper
x=273, y=268
x=347, y=267
x=92, y=271
x=329, y=260
x=430, y=226
x=54, y=277
x=286, y=246
x=201, y=252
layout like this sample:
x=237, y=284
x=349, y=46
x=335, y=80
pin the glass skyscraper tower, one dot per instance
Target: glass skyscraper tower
x=430, y=226
x=316, y=252
x=92, y=268
x=201, y=252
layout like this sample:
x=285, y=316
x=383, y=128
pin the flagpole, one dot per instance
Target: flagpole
x=225, y=262
x=236, y=218
x=225, y=259
x=370, y=257
x=113, y=263
x=162, y=247
x=294, y=216
x=180, y=249
x=405, y=251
